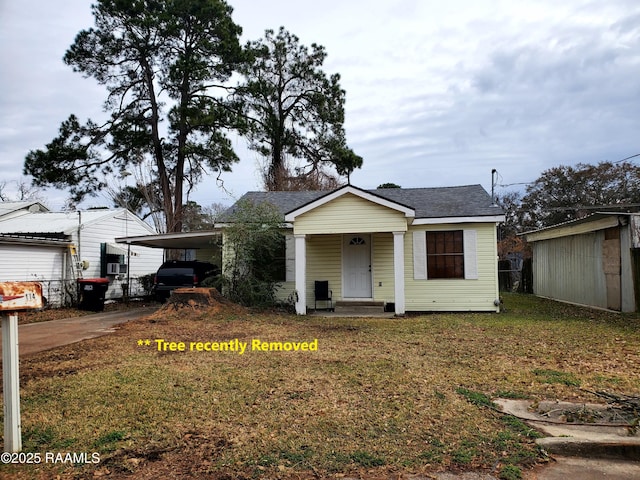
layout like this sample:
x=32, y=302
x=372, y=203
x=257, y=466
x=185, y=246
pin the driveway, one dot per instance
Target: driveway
x=36, y=337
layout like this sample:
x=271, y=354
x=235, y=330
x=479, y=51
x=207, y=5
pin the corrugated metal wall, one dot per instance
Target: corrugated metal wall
x=571, y=269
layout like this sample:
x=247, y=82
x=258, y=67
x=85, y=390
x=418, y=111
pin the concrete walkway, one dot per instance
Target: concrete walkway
x=584, y=451
x=36, y=337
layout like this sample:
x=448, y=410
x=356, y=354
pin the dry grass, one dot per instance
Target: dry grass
x=379, y=396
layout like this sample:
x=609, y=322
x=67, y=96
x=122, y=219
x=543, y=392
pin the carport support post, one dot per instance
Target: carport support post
x=11, y=383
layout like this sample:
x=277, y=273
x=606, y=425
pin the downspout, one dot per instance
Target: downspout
x=79, y=228
x=126, y=231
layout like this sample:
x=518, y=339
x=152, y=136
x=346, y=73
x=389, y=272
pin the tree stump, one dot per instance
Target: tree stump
x=194, y=298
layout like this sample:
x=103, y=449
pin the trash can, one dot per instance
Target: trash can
x=91, y=293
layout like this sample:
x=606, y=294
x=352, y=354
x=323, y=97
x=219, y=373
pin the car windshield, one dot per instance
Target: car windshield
x=175, y=271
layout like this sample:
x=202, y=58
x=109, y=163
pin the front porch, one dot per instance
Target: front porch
x=365, y=272
x=357, y=309
x=355, y=240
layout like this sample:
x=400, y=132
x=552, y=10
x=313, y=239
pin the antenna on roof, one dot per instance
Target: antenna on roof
x=494, y=176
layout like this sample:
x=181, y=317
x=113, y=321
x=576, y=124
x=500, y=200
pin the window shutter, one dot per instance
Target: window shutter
x=471, y=254
x=290, y=258
x=419, y=256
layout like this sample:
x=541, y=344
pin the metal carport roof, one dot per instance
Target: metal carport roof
x=180, y=240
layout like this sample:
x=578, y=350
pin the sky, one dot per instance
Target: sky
x=438, y=93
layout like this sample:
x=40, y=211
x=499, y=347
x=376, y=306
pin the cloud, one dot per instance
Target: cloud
x=438, y=93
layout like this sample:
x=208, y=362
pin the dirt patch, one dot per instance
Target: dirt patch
x=208, y=300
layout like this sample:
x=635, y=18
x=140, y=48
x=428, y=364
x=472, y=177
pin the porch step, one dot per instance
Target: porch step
x=361, y=306
x=358, y=303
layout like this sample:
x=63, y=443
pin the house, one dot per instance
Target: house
x=418, y=249
x=15, y=209
x=56, y=248
x=593, y=261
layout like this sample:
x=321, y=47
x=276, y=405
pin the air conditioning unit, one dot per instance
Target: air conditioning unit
x=116, y=268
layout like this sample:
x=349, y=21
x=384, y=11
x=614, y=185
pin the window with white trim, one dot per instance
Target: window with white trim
x=445, y=254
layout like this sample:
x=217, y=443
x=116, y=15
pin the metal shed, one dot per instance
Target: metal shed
x=593, y=261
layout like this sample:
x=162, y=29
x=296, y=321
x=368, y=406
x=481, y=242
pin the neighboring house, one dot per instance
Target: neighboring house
x=593, y=261
x=16, y=209
x=55, y=248
x=419, y=249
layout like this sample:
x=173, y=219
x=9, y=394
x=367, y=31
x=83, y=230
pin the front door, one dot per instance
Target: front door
x=357, y=266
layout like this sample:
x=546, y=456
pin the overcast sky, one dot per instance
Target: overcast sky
x=438, y=92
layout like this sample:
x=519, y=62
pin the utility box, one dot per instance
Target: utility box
x=17, y=296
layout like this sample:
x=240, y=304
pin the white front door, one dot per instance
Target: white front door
x=356, y=265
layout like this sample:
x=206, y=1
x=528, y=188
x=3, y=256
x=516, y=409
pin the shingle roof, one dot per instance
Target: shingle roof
x=439, y=202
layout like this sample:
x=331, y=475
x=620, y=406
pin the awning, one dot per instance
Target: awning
x=195, y=240
x=113, y=249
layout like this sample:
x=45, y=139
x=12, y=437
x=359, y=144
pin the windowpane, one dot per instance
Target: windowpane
x=445, y=254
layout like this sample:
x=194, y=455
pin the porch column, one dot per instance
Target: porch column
x=301, y=274
x=398, y=271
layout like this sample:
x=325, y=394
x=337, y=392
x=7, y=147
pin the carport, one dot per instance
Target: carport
x=201, y=245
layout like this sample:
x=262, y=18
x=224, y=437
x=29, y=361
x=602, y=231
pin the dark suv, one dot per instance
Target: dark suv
x=181, y=274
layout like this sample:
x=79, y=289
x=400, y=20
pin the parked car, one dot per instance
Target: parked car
x=181, y=274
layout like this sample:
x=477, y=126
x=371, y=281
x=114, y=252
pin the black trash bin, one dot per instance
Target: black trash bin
x=91, y=293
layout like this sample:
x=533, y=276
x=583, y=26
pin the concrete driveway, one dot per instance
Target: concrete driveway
x=36, y=337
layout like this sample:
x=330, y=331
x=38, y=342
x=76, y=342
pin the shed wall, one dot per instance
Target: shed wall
x=571, y=269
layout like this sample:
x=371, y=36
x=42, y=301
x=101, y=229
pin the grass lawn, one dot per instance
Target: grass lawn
x=378, y=397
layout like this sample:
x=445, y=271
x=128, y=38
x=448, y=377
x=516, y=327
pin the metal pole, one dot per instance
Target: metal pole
x=11, y=383
x=493, y=186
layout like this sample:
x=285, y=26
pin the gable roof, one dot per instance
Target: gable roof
x=428, y=203
x=349, y=189
x=55, y=224
x=18, y=208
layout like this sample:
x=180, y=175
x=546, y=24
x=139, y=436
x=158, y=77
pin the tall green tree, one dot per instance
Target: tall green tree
x=294, y=111
x=163, y=63
x=566, y=193
x=254, y=253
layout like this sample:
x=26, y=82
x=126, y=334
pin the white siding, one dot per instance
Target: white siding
x=145, y=261
x=28, y=263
